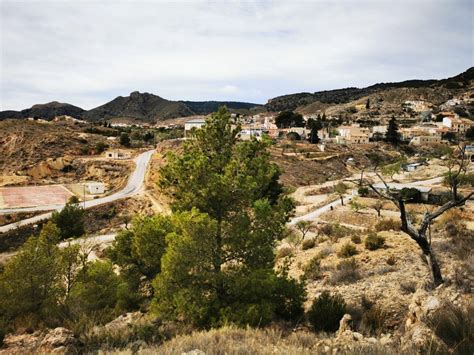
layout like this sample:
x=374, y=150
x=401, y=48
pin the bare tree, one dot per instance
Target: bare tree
x=303, y=227
x=340, y=189
x=378, y=206
x=420, y=235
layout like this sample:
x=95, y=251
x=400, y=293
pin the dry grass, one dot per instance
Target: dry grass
x=235, y=341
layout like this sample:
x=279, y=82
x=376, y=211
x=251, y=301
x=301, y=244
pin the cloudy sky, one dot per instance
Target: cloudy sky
x=88, y=52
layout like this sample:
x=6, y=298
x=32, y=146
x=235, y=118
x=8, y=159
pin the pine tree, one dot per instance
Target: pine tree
x=218, y=266
x=392, y=134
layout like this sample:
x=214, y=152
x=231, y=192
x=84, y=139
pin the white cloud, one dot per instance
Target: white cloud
x=86, y=52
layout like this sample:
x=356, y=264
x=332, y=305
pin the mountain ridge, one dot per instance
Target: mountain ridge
x=152, y=108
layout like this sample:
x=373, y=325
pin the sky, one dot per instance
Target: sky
x=88, y=52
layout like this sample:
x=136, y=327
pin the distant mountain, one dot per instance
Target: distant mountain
x=46, y=111
x=206, y=107
x=338, y=96
x=144, y=107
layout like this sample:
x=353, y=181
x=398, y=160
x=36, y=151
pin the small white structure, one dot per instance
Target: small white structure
x=247, y=134
x=194, y=124
x=469, y=152
x=117, y=154
x=411, y=167
x=425, y=191
x=95, y=188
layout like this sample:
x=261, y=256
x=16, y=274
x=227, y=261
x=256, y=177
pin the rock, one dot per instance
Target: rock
x=194, y=352
x=345, y=324
x=431, y=304
x=420, y=335
x=386, y=339
x=124, y=321
x=138, y=345
x=357, y=336
x=58, y=338
x=372, y=340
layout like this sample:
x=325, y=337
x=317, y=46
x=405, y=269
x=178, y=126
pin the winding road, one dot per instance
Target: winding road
x=319, y=211
x=134, y=184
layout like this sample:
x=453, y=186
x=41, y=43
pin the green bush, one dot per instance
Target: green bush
x=335, y=231
x=284, y=252
x=308, y=244
x=326, y=312
x=363, y=191
x=374, y=241
x=387, y=225
x=356, y=239
x=346, y=272
x=312, y=270
x=70, y=220
x=293, y=136
x=347, y=250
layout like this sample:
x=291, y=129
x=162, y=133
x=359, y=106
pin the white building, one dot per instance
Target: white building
x=194, y=124
x=394, y=187
x=117, y=154
x=95, y=188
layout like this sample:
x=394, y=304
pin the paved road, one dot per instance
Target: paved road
x=134, y=184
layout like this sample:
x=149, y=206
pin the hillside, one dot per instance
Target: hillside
x=46, y=111
x=137, y=106
x=300, y=100
x=143, y=106
x=206, y=107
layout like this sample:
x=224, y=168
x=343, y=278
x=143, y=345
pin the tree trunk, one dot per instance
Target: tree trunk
x=342, y=200
x=434, y=267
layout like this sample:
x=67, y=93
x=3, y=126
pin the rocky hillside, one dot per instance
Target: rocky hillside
x=144, y=107
x=46, y=111
x=24, y=144
x=451, y=86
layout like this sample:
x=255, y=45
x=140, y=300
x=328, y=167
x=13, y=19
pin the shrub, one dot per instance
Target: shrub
x=326, y=312
x=387, y=225
x=308, y=244
x=363, y=191
x=455, y=327
x=374, y=241
x=346, y=272
x=293, y=136
x=284, y=252
x=356, y=239
x=335, y=231
x=391, y=260
x=373, y=320
x=347, y=250
x=312, y=270
x=408, y=287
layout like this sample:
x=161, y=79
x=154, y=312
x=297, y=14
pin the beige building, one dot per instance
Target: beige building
x=353, y=134
x=458, y=125
x=425, y=140
x=117, y=154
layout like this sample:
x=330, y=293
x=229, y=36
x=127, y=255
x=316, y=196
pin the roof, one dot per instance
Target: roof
x=197, y=120
x=398, y=187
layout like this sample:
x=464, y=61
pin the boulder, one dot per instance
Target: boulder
x=345, y=324
x=58, y=340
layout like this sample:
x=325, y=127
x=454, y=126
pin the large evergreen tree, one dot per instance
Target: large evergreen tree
x=287, y=119
x=392, y=134
x=228, y=216
x=314, y=126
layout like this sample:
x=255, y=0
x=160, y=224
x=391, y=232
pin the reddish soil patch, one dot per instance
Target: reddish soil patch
x=12, y=197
